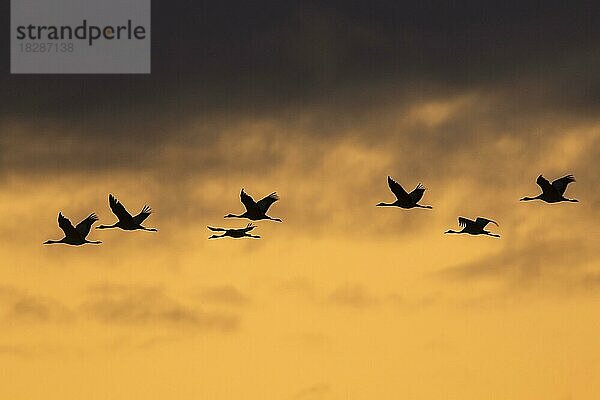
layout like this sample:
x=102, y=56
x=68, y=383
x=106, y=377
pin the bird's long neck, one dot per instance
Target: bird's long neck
x=149, y=229
x=572, y=200
x=530, y=198
x=451, y=231
x=107, y=226
x=273, y=219
x=93, y=241
x=492, y=234
x=420, y=206
x=385, y=204
x=234, y=216
x=53, y=241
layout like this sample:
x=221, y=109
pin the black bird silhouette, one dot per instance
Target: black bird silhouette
x=553, y=192
x=256, y=210
x=75, y=236
x=126, y=221
x=234, y=233
x=474, y=227
x=404, y=199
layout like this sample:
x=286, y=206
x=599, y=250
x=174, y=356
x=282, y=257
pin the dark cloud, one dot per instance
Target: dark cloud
x=138, y=305
x=479, y=128
x=469, y=99
x=209, y=57
x=530, y=262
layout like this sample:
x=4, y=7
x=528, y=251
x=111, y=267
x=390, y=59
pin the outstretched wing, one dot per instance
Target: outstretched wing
x=462, y=222
x=67, y=227
x=561, y=184
x=119, y=209
x=248, y=228
x=216, y=229
x=146, y=211
x=544, y=184
x=248, y=202
x=84, y=226
x=398, y=190
x=266, y=202
x=417, y=194
x=482, y=222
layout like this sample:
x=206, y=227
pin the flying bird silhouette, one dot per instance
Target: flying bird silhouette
x=553, y=192
x=126, y=221
x=256, y=210
x=474, y=227
x=75, y=236
x=404, y=199
x=234, y=233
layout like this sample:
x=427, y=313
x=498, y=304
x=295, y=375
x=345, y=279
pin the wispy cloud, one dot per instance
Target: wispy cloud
x=224, y=295
x=140, y=305
x=20, y=306
x=12, y=350
x=525, y=263
x=352, y=295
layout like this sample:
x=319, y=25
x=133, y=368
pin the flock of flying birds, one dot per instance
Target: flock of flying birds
x=257, y=210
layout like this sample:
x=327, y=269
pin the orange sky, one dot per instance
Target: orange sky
x=341, y=301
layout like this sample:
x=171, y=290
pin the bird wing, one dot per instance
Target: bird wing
x=146, y=211
x=119, y=209
x=248, y=228
x=417, y=194
x=67, y=227
x=84, y=226
x=398, y=190
x=544, y=184
x=462, y=221
x=266, y=202
x=482, y=222
x=561, y=184
x=216, y=229
x=248, y=202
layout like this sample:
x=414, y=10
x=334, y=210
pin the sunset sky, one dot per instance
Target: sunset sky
x=319, y=101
